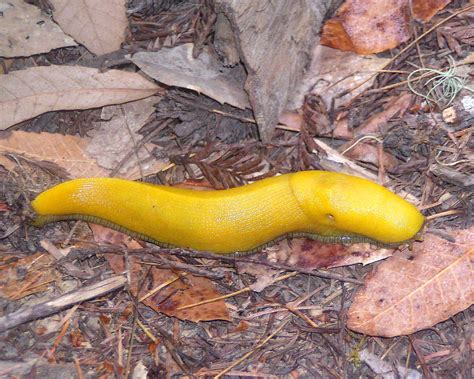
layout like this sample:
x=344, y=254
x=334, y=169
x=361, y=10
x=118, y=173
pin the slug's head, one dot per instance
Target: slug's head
x=344, y=204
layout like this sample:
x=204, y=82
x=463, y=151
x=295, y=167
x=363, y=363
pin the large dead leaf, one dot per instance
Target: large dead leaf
x=373, y=26
x=25, y=31
x=98, y=25
x=186, y=290
x=27, y=93
x=67, y=152
x=368, y=26
x=406, y=294
x=116, y=142
x=177, y=67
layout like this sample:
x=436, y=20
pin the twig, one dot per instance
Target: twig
x=50, y=307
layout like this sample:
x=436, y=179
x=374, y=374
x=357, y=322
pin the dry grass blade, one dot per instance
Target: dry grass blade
x=28, y=93
x=442, y=86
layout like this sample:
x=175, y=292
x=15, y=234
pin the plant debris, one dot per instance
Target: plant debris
x=78, y=299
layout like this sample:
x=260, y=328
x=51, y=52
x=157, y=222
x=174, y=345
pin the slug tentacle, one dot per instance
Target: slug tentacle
x=320, y=205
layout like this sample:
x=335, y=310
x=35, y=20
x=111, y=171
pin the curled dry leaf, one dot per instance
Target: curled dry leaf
x=265, y=276
x=409, y=293
x=27, y=93
x=333, y=160
x=25, y=31
x=396, y=106
x=290, y=120
x=204, y=74
x=98, y=25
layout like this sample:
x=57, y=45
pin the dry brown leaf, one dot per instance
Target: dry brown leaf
x=407, y=294
x=67, y=152
x=4, y=207
x=98, y=25
x=117, y=138
x=27, y=93
x=290, y=120
x=186, y=290
x=25, y=31
x=369, y=26
x=309, y=254
x=177, y=67
x=189, y=290
x=425, y=9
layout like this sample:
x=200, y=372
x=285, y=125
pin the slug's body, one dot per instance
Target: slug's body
x=243, y=219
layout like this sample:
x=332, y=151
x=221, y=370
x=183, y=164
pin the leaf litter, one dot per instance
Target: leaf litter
x=389, y=133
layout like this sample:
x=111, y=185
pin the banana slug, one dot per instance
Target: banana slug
x=321, y=205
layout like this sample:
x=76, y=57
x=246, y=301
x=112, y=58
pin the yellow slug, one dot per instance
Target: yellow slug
x=316, y=204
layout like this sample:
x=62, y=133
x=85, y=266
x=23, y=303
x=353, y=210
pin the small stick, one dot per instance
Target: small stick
x=26, y=314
